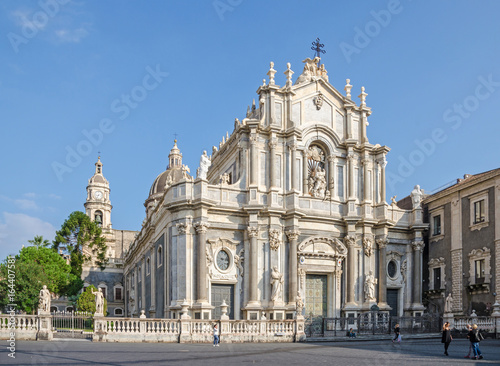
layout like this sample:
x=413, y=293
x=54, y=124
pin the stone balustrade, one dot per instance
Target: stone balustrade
x=109, y=329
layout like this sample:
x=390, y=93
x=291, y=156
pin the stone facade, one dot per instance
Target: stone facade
x=290, y=205
x=465, y=233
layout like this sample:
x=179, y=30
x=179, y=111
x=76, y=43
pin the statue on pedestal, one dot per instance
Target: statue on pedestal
x=276, y=282
x=448, y=304
x=205, y=163
x=44, y=302
x=416, y=196
x=370, y=287
x=99, y=302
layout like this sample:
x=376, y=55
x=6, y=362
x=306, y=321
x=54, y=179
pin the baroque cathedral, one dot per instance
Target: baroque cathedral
x=287, y=216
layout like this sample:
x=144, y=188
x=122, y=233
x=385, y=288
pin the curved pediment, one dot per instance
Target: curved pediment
x=323, y=246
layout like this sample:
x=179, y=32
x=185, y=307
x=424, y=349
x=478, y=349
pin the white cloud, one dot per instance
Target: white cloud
x=16, y=229
x=71, y=35
x=54, y=196
x=24, y=204
x=30, y=195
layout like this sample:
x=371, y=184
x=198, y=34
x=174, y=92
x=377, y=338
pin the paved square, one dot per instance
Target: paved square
x=357, y=353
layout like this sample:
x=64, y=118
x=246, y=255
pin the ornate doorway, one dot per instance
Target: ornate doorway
x=316, y=303
x=222, y=293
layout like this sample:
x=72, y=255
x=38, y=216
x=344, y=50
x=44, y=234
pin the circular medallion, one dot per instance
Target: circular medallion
x=302, y=260
x=223, y=260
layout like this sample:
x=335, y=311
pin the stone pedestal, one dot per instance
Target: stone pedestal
x=300, y=335
x=44, y=326
x=99, y=329
x=496, y=315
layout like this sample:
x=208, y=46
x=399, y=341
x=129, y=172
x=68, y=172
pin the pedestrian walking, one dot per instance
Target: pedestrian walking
x=446, y=337
x=397, y=334
x=216, y=336
x=475, y=337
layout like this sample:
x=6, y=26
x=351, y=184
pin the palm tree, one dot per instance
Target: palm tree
x=39, y=241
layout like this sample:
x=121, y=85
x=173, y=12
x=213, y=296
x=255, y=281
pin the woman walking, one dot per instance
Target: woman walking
x=475, y=337
x=397, y=335
x=446, y=338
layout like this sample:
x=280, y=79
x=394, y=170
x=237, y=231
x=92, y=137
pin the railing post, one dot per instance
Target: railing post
x=300, y=335
x=496, y=318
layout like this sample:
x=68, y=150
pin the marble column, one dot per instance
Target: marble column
x=383, y=164
x=253, y=232
x=350, y=162
x=350, y=242
x=305, y=171
x=418, y=248
x=143, y=284
x=331, y=174
x=201, y=229
x=293, y=166
x=254, y=159
x=382, y=277
x=272, y=161
x=293, y=236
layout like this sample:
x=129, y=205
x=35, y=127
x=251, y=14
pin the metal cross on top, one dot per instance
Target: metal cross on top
x=317, y=47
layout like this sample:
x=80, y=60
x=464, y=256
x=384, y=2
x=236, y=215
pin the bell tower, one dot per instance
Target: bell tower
x=98, y=206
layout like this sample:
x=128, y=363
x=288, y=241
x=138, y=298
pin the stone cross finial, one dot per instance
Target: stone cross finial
x=288, y=73
x=348, y=88
x=362, y=96
x=271, y=73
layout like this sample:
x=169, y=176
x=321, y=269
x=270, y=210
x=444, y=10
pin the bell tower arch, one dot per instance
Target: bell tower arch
x=98, y=205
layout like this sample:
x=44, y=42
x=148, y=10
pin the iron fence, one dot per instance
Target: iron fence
x=69, y=324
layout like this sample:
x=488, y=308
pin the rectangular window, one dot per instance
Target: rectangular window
x=479, y=270
x=437, y=278
x=479, y=212
x=118, y=294
x=436, y=223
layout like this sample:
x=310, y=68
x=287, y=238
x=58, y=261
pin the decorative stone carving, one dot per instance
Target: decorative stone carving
x=312, y=71
x=416, y=197
x=273, y=143
x=299, y=304
x=318, y=101
x=403, y=269
x=317, y=182
x=44, y=300
x=253, y=231
x=205, y=162
x=367, y=245
x=348, y=88
x=370, y=283
x=182, y=227
x=331, y=248
x=201, y=227
x=382, y=242
x=302, y=278
x=448, y=304
x=210, y=257
x=274, y=239
x=350, y=240
x=277, y=283
x=393, y=201
x=418, y=246
x=293, y=234
x=224, y=179
x=238, y=260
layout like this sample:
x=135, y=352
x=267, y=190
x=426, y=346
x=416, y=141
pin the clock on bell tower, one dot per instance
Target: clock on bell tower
x=98, y=206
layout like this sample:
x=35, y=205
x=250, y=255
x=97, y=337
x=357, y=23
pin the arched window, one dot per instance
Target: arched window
x=316, y=171
x=148, y=266
x=139, y=277
x=160, y=256
x=98, y=218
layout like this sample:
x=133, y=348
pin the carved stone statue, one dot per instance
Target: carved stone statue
x=276, y=282
x=300, y=304
x=99, y=302
x=205, y=163
x=448, y=304
x=370, y=287
x=393, y=201
x=416, y=196
x=44, y=303
x=317, y=182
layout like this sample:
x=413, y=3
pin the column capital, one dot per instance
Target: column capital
x=293, y=146
x=350, y=240
x=382, y=163
x=253, y=231
x=418, y=246
x=351, y=157
x=201, y=227
x=293, y=234
x=273, y=142
x=254, y=138
x=182, y=227
x=382, y=242
x=331, y=158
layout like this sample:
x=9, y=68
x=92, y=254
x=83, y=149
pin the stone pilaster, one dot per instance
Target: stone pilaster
x=305, y=172
x=201, y=229
x=254, y=161
x=350, y=164
x=418, y=248
x=383, y=164
x=152, y=265
x=456, y=278
x=293, y=166
x=293, y=236
x=331, y=174
x=272, y=161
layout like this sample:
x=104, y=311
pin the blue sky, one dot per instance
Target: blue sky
x=70, y=68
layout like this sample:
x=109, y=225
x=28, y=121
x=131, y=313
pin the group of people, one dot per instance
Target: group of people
x=473, y=335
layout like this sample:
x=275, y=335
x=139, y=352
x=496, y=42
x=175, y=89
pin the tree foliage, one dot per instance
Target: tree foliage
x=86, y=301
x=39, y=241
x=82, y=240
x=34, y=267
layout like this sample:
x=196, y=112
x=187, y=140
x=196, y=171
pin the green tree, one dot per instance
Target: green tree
x=39, y=241
x=86, y=301
x=34, y=267
x=81, y=238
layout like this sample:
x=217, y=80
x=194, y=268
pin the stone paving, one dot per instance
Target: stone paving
x=357, y=353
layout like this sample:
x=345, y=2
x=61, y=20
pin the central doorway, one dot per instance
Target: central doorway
x=315, y=304
x=393, y=301
x=222, y=293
